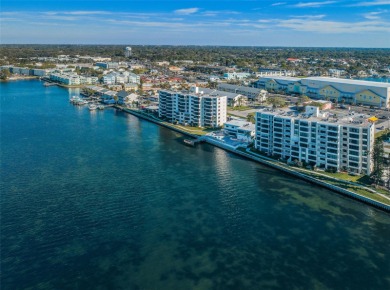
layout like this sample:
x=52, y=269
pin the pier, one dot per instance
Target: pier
x=193, y=142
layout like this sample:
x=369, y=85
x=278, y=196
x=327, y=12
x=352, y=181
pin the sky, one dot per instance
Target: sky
x=298, y=23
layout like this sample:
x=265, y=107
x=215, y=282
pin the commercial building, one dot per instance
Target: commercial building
x=195, y=109
x=341, y=90
x=327, y=139
x=107, y=65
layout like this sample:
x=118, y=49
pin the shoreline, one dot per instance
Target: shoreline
x=259, y=159
x=20, y=78
x=28, y=78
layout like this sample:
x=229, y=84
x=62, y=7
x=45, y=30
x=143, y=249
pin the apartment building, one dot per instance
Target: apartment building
x=195, y=109
x=270, y=72
x=120, y=78
x=73, y=79
x=334, y=141
x=233, y=99
x=249, y=92
x=236, y=75
x=351, y=91
x=69, y=79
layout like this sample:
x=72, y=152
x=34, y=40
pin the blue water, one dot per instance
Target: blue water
x=372, y=79
x=103, y=200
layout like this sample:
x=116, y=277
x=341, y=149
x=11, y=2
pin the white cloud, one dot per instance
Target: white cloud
x=278, y=3
x=373, y=15
x=186, y=11
x=321, y=26
x=87, y=12
x=219, y=12
x=310, y=16
x=373, y=3
x=313, y=4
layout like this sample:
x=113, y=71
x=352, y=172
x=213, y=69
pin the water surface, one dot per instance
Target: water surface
x=103, y=200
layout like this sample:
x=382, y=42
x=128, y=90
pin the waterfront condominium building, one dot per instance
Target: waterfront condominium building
x=195, y=109
x=341, y=141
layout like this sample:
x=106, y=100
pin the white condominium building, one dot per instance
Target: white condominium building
x=120, y=78
x=334, y=141
x=195, y=109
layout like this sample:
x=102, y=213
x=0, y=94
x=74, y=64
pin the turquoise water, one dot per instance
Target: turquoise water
x=104, y=200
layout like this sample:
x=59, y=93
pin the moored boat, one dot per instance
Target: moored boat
x=92, y=107
x=74, y=99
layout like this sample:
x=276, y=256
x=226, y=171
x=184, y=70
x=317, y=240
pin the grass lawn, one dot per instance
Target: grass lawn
x=363, y=180
x=348, y=177
x=240, y=108
x=382, y=134
x=194, y=130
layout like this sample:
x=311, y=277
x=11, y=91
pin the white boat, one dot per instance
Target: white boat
x=92, y=107
x=100, y=107
x=74, y=99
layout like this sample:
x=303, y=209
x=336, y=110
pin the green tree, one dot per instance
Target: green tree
x=116, y=98
x=276, y=102
x=377, y=156
x=251, y=118
x=5, y=74
x=304, y=99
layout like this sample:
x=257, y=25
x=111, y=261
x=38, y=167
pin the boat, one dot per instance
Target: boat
x=189, y=142
x=92, y=107
x=74, y=99
x=100, y=107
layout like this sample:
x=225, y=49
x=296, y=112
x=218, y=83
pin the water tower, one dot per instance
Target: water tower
x=128, y=51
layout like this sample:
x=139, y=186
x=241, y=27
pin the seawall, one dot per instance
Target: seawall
x=292, y=172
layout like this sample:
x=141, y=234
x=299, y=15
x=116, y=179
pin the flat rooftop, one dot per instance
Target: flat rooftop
x=333, y=116
x=282, y=78
x=349, y=81
x=242, y=124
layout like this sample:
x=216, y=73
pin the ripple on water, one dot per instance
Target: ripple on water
x=113, y=202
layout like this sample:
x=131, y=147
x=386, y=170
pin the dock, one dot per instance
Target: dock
x=47, y=84
x=193, y=142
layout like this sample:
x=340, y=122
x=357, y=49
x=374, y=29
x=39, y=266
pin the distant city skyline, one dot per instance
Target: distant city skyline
x=338, y=23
